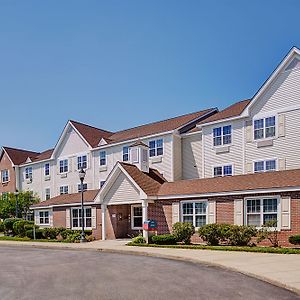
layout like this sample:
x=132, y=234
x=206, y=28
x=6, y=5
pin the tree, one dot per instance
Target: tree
x=9, y=202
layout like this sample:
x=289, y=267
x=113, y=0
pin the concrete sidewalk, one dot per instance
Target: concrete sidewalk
x=280, y=269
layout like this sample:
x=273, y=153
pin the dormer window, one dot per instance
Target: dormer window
x=156, y=147
x=102, y=158
x=222, y=135
x=28, y=173
x=4, y=176
x=126, y=153
x=63, y=166
x=264, y=128
x=81, y=162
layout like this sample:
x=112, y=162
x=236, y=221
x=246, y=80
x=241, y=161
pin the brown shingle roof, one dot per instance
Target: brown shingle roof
x=92, y=134
x=44, y=155
x=148, y=182
x=237, y=183
x=19, y=156
x=89, y=196
x=232, y=111
x=157, y=127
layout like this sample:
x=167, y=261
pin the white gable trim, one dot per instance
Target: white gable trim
x=63, y=135
x=4, y=151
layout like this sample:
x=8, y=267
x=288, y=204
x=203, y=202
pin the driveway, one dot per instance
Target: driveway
x=31, y=273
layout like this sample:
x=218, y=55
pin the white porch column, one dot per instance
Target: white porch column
x=103, y=215
x=145, y=218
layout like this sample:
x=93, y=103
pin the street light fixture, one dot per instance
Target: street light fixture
x=17, y=209
x=81, y=177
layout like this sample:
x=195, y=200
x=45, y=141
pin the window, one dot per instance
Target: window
x=64, y=189
x=264, y=128
x=265, y=165
x=102, y=158
x=102, y=182
x=126, y=153
x=28, y=173
x=137, y=217
x=76, y=218
x=4, y=176
x=220, y=171
x=222, y=135
x=63, y=166
x=261, y=210
x=81, y=162
x=84, y=187
x=156, y=147
x=47, y=169
x=194, y=212
x=44, y=217
x=47, y=194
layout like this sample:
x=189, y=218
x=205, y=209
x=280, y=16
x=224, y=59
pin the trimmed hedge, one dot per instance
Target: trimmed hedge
x=295, y=239
x=139, y=240
x=164, y=239
x=183, y=232
x=8, y=225
x=20, y=227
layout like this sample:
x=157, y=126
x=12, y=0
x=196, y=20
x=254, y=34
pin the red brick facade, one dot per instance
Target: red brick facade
x=5, y=164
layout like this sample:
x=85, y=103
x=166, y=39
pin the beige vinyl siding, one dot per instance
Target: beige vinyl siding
x=122, y=191
x=192, y=156
x=233, y=157
x=284, y=92
x=177, y=167
x=286, y=147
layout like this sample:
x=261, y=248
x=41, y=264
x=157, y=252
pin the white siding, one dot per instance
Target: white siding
x=177, y=166
x=192, y=156
x=122, y=191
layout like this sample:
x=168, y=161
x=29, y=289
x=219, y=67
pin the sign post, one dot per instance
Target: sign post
x=150, y=226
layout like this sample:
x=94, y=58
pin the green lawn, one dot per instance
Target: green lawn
x=24, y=239
x=224, y=248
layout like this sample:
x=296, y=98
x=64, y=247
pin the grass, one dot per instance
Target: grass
x=224, y=248
x=24, y=239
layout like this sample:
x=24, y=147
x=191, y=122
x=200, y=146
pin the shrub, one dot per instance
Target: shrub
x=38, y=234
x=8, y=225
x=90, y=238
x=269, y=232
x=210, y=233
x=19, y=227
x=73, y=238
x=240, y=235
x=1, y=226
x=52, y=232
x=295, y=239
x=139, y=240
x=183, y=232
x=163, y=239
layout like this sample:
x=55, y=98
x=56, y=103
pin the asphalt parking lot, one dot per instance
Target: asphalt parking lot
x=31, y=273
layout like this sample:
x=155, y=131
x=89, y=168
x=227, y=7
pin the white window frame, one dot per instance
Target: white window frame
x=28, y=175
x=124, y=153
x=46, y=193
x=5, y=176
x=63, y=187
x=194, y=214
x=105, y=158
x=257, y=118
x=84, y=189
x=43, y=217
x=222, y=136
x=81, y=162
x=155, y=148
x=133, y=217
x=261, y=198
x=79, y=218
x=45, y=169
x=222, y=166
x=102, y=182
x=264, y=161
x=65, y=165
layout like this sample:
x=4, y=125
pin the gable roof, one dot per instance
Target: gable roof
x=237, y=183
x=43, y=155
x=89, y=196
x=19, y=156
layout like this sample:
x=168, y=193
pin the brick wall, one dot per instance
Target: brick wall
x=5, y=164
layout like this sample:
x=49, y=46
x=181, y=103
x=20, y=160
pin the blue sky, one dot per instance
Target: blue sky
x=118, y=64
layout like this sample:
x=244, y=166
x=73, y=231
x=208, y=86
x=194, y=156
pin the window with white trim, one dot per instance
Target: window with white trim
x=64, y=189
x=156, y=147
x=222, y=135
x=221, y=171
x=136, y=217
x=265, y=166
x=63, y=166
x=4, y=176
x=194, y=212
x=81, y=162
x=47, y=194
x=126, y=153
x=47, y=169
x=102, y=156
x=84, y=187
x=259, y=211
x=264, y=128
x=77, y=220
x=44, y=217
x=102, y=182
x=28, y=173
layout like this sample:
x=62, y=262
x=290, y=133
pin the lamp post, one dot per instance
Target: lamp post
x=81, y=177
x=17, y=195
